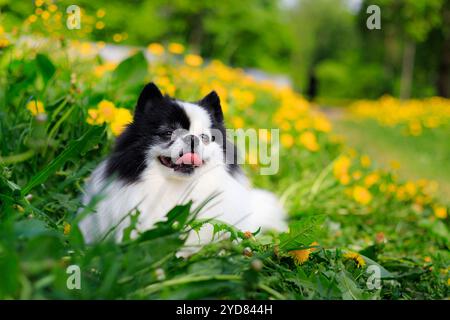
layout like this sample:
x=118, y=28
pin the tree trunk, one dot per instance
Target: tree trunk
x=443, y=81
x=407, y=69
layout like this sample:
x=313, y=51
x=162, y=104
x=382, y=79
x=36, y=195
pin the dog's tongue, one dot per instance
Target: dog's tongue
x=190, y=158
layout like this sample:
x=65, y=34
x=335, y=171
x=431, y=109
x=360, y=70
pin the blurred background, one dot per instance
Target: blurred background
x=323, y=49
x=322, y=46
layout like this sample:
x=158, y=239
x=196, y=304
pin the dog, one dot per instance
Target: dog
x=173, y=152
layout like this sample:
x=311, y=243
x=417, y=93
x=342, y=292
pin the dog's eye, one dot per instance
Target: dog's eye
x=205, y=138
x=167, y=134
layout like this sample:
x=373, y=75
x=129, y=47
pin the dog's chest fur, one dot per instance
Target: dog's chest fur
x=155, y=194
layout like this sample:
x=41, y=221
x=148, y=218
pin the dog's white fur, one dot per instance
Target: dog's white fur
x=160, y=189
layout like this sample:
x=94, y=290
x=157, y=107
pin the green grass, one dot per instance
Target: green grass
x=425, y=156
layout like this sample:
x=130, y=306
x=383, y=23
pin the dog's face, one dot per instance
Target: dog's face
x=180, y=138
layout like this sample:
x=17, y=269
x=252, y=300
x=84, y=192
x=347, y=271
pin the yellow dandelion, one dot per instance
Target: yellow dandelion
x=176, y=48
x=359, y=260
x=193, y=60
x=411, y=188
x=94, y=117
x=36, y=107
x=322, y=124
x=371, y=179
x=308, y=139
x=100, y=13
x=99, y=25
x=237, y=122
x=45, y=15
x=287, y=140
x=362, y=195
x=365, y=161
x=32, y=18
x=300, y=256
x=100, y=70
x=107, y=110
x=344, y=179
x=122, y=118
x=52, y=7
x=156, y=49
x=117, y=37
x=341, y=166
x=440, y=212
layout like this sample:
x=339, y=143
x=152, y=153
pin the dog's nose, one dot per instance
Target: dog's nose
x=191, y=141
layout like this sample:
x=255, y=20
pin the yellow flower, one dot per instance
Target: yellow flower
x=285, y=126
x=300, y=256
x=243, y=98
x=100, y=13
x=32, y=18
x=322, y=124
x=365, y=161
x=237, y=122
x=360, y=262
x=193, y=60
x=4, y=42
x=308, y=139
x=301, y=124
x=117, y=37
x=344, y=179
x=156, y=48
x=341, y=166
x=100, y=70
x=99, y=25
x=176, y=48
x=52, y=7
x=45, y=15
x=287, y=140
x=440, y=212
x=67, y=228
x=410, y=189
x=371, y=179
x=39, y=3
x=107, y=110
x=36, y=107
x=94, y=117
x=122, y=118
x=427, y=259
x=361, y=195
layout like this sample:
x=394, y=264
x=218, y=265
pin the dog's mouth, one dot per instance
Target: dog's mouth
x=186, y=163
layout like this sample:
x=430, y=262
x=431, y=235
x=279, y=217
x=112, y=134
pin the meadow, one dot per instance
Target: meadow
x=356, y=230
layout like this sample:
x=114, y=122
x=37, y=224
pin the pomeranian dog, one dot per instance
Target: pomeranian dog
x=173, y=152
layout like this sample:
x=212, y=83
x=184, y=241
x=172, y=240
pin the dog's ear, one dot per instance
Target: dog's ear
x=211, y=102
x=149, y=97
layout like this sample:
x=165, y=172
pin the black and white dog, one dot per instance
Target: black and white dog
x=172, y=152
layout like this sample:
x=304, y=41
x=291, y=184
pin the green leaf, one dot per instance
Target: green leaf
x=130, y=72
x=301, y=233
x=175, y=222
x=74, y=149
x=45, y=66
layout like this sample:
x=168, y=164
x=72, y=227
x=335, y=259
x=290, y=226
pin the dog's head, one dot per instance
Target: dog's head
x=180, y=138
